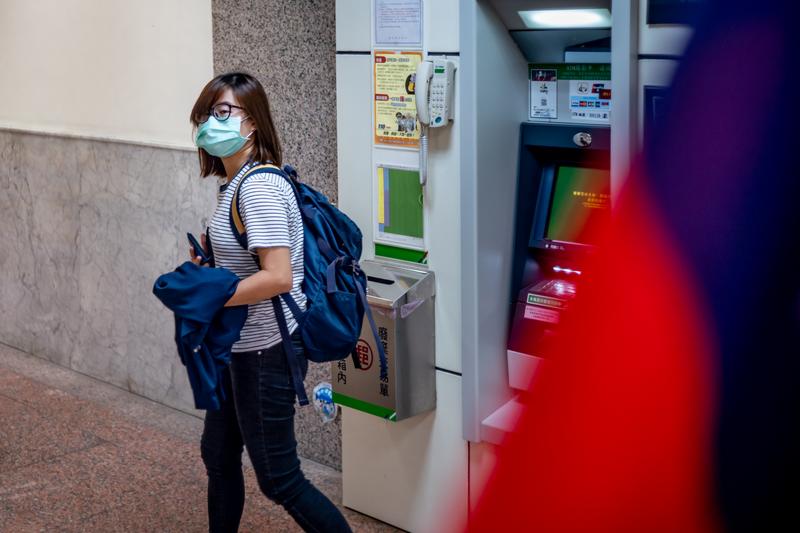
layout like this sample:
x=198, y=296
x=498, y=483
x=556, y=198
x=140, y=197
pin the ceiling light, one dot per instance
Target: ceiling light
x=542, y=19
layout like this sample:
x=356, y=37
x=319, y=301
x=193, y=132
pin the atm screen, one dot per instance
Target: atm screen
x=580, y=203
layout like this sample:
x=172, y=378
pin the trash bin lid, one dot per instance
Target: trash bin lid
x=390, y=285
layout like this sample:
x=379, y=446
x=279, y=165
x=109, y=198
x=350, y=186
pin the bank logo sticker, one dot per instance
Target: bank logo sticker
x=364, y=354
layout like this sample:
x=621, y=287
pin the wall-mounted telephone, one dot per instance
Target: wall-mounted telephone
x=435, y=85
x=434, y=92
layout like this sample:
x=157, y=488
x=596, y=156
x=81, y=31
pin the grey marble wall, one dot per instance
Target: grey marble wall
x=86, y=228
x=290, y=46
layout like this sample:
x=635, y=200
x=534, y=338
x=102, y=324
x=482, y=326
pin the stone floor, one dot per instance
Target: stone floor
x=79, y=455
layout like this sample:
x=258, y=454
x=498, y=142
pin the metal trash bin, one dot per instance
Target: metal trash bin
x=402, y=303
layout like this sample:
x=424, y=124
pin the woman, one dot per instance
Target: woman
x=234, y=131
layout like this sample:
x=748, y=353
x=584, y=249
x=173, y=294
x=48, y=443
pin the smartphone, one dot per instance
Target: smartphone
x=198, y=250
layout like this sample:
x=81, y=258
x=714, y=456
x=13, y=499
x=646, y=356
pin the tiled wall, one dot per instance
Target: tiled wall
x=290, y=47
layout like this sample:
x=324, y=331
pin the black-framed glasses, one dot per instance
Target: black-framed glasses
x=220, y=111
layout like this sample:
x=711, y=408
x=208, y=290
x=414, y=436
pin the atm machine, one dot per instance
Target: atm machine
x=563, y=202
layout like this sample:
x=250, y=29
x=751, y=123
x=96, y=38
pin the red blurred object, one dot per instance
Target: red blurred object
x=617, y=434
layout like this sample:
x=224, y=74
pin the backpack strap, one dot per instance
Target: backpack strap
x=235, y=217
x=291, y=355
x=384, y=363
x=240, y=233
x=298, y=313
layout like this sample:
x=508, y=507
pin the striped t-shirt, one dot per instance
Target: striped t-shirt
x=272, y=219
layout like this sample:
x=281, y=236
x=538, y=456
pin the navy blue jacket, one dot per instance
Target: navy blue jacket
x=205, y=330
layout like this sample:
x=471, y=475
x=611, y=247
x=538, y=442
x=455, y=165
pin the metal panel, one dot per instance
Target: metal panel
x=413, y=473
x=624, y=87
x=665, y=39
x=442, y=224
x=493, y=72
x=353, y=23
x=441, y=25
x=548, y=46
x=353, y=130
x=402, y=303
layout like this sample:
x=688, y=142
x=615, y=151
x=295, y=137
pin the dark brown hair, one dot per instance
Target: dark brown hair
x=266, y=146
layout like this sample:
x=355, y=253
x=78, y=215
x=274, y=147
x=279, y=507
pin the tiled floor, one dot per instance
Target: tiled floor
x=79, y=455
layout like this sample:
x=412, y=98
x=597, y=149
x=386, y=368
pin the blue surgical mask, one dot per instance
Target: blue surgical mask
x=220, y=138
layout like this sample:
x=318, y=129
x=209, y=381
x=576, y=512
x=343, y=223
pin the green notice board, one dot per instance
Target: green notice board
x=398, y=208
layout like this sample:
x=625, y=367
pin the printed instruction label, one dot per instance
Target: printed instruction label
x=543, y=93
x=533, y=312
x=398, y=22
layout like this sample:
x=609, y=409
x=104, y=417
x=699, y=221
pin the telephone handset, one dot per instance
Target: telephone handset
x=434, y=88
x=422, y=82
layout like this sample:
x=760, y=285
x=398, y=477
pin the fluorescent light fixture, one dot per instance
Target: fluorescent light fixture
x=545, y=19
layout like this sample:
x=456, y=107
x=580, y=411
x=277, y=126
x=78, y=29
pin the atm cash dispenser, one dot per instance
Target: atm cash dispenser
x=563, y=197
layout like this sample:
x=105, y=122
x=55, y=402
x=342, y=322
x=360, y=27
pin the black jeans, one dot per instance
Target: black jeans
x=258, y=413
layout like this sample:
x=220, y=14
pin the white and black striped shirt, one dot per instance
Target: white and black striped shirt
x=272, y=219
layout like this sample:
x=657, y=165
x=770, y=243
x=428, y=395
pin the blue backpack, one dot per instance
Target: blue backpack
x=334, y=285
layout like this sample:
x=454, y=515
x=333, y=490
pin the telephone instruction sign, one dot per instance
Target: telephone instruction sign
x=395, y=107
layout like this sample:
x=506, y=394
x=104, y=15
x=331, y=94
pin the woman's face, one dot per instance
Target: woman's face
x=227, y=97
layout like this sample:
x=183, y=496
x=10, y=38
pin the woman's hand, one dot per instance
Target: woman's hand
x=193, y=253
